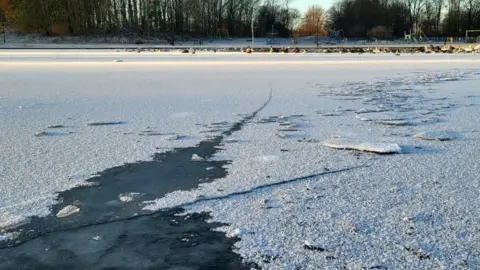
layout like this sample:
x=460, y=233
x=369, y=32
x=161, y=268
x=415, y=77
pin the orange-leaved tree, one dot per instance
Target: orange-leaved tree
x=5, y=10
x=314, y=22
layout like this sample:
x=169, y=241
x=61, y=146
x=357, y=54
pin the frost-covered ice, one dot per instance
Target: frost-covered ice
x=176, y=101
x=352, y=210
x=293, y=203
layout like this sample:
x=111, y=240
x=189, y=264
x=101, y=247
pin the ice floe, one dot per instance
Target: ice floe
x=437, y=135
x=128, y=197
x=375, y=147
x=67, y=211
x=392, y=122
x=198, y=158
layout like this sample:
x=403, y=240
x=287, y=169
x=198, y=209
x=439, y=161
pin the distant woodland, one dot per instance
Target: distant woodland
x=235, y=18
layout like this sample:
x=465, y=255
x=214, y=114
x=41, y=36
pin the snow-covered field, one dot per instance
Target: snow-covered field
x=295, y=202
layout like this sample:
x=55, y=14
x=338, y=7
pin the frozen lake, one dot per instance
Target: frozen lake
x=273, y=129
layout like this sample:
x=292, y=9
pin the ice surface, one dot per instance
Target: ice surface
x=282, y=191
x=351, y=218
x=170, y=100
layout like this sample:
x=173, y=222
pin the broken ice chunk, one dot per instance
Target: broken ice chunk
x=128, y=197
x=67, y=211
x=379, y=148
x=436, y=136
x=392, y=122
x=196, y=157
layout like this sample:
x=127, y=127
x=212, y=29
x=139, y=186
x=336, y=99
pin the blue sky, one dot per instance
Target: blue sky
x=303, y=4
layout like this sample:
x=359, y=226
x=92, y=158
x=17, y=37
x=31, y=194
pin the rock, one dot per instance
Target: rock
x=67, y=211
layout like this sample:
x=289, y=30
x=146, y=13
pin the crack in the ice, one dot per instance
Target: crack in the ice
x=239, y=193
x=238, y=126
x=181, y=206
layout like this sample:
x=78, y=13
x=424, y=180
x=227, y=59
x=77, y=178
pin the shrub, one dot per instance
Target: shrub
x=380, y=32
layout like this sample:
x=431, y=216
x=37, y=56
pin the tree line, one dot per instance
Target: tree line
x=394, y=18
x=237, y=18
x=152, y=17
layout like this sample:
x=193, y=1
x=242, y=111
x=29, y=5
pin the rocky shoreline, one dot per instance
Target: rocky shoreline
x=448, y=49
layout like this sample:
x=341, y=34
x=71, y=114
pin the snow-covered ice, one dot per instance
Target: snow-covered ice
x=353, y=205
x=293, y=203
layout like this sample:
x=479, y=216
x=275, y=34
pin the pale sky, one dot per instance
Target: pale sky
x=304, y=4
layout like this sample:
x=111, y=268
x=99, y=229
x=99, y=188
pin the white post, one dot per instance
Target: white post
x=253, y=29
x=255, y=5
